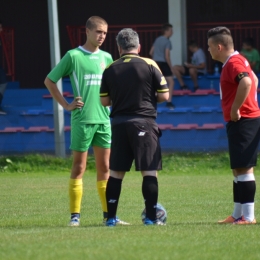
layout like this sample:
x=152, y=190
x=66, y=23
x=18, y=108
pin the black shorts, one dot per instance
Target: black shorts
x=243, y=140
x=187, y=72
x=135, y=139
x=165, y=68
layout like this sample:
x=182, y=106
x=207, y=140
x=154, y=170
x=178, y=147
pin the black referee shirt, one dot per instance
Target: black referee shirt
x=132, y=83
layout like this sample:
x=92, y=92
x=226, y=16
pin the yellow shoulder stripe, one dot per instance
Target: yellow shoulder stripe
x=103, y=94
x=150, y=62
x=162, y=90
x=111, y=64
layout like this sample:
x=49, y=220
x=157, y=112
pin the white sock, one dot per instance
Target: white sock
x=246, y=177
x=237, y=213
x=248, y=211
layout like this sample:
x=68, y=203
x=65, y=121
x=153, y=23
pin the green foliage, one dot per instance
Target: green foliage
x=40, y=162
x=4, y=166
x=195, y=163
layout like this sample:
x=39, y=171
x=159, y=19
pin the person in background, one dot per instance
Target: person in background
x=251, y=54
x=3, y=80
x=195, y=68
x=160, y=52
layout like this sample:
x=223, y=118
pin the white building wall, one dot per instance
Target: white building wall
x=177, y=17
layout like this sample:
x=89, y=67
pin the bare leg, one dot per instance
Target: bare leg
x=170, y=83
x=178, y=72
x=79, y=164
x=76, y=184
x=102, y=166
x=193, y=74
x=102, y=162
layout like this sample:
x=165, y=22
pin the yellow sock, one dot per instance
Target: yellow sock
x=101, y=187
x=75, y=193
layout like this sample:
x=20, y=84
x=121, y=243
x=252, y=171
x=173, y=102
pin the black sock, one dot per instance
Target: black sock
x=73, y=215
x=150, y=194
x=236, y=194
x=112, y=193
x=247, y=191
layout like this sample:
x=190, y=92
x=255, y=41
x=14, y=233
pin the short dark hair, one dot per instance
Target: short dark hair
x=128, y=39
x=193, y=43
x=249, y=41
x=93, y=21
x=221, y=35
x=166, y=27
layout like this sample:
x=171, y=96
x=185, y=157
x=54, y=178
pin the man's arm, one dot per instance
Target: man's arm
x=168, y=58
x=106, y=101
x=255, y=79
x=162, y=97
x=151, y=51
x=52, y=87
x=200, y=66
x=243, y=90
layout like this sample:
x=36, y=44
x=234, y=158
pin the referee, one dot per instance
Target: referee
x=133, y=85
x=238, y=88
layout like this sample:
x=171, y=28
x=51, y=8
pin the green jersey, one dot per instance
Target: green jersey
x=252, y=56
x=85, y=70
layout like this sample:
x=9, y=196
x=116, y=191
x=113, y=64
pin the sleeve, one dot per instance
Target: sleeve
x=201, y=58
x=168, y=45
x=256, y=57
x=62, y=69
x=104, y=89
x=239, y=69
x=159, y=81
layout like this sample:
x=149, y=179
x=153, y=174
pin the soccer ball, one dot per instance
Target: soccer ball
x=161, y=213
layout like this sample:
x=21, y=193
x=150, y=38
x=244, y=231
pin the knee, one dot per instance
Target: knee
x=193, y=72
x=175, y=69
x=104, y=167
x=78, y=168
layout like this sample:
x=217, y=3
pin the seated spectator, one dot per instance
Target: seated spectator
x=196, y=67
x=3, y=81
x=251, y=54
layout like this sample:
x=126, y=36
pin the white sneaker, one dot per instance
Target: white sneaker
x=74, y=222
x=118, y=222
x=121, y=222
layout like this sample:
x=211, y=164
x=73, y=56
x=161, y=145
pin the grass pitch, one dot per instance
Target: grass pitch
x=195, y=189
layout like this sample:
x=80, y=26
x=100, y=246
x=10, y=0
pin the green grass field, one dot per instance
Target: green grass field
x=196, y=190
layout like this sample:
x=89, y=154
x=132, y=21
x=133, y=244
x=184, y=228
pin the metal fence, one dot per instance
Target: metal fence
x=7, y=40
x=148, y=33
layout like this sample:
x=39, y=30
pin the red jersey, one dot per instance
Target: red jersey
x=231, y=70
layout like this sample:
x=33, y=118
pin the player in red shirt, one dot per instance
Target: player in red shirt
x=238, y=92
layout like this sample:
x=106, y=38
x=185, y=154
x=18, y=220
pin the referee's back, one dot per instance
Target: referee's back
x=132, y=83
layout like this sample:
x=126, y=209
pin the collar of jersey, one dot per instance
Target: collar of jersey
x=129, y=55
x=80, y=47
x=234, y=53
